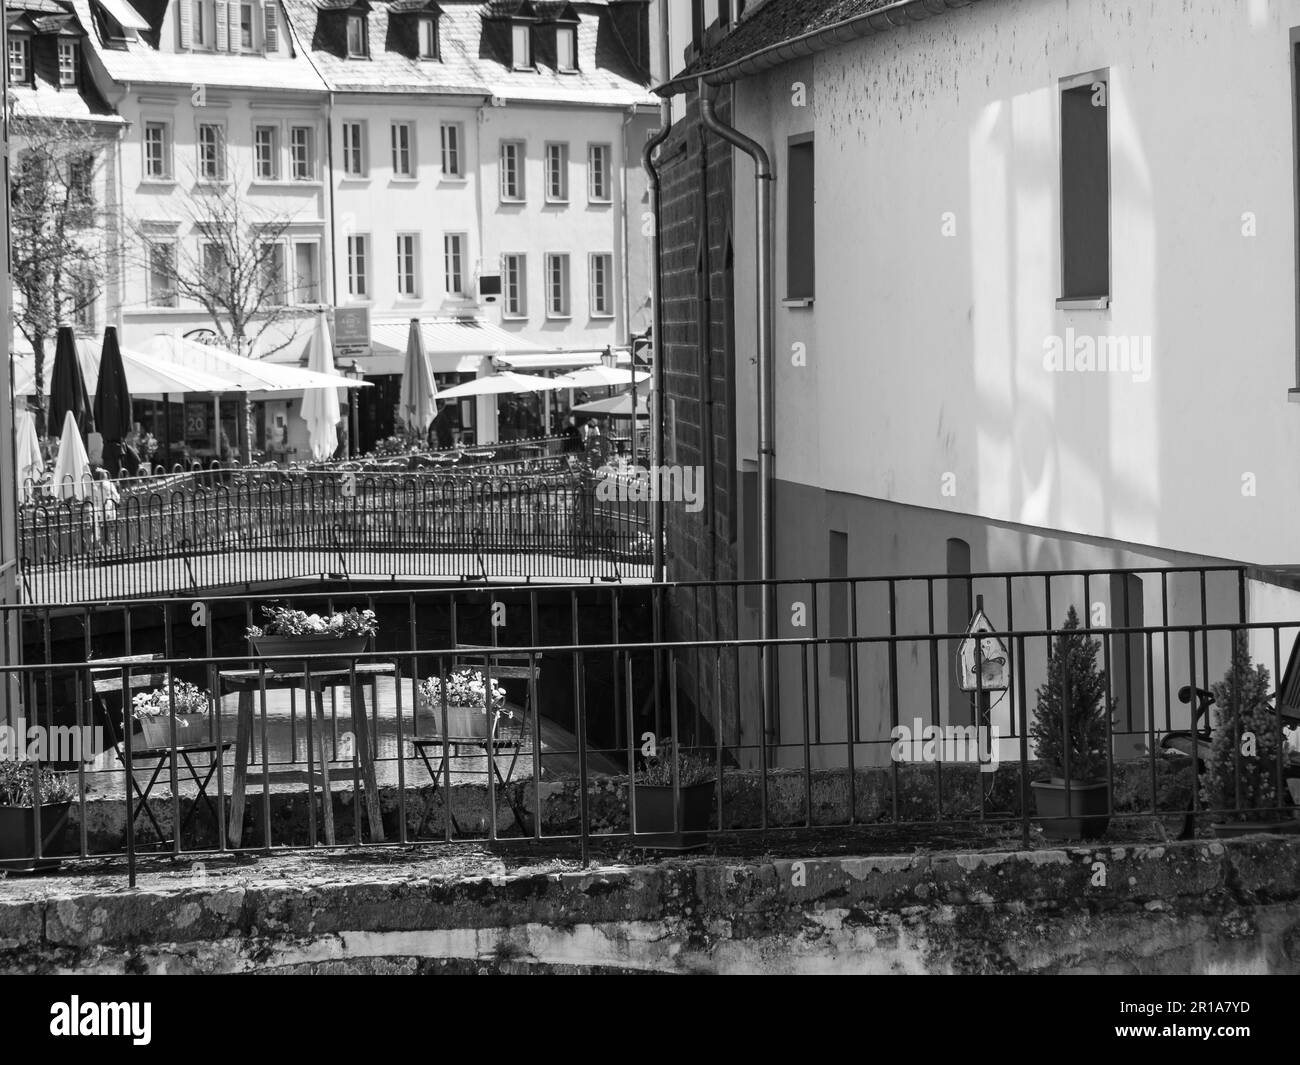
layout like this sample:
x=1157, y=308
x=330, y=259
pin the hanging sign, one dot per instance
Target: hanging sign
x=994, y=659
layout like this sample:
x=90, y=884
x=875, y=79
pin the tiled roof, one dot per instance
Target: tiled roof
x=475, y=55
x=48, y=101
x=36, y=7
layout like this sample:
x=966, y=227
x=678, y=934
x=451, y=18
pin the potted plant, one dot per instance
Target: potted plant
x=20, y=784
x=1239, y=780
x=467, y=704
x=290, y=632
x=153, y=710
x=653, y=805
x=1069, y=732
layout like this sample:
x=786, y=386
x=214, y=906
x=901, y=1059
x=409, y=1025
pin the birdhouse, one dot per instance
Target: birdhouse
x=987, y=654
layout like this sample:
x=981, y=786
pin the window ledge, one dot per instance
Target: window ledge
x=558, y=317
x=1293, y=395
x=160, y=182
x=600, y=203
x=1098, y=303
x=601, y=317
x=404, y=181
x=556, y=203
x=454, y=179
x=512, y=203
x=797, y=302
x=524, y=318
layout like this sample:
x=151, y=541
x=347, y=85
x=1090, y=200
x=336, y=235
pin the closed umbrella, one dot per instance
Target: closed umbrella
x=72, y=470
x=27, y=447
x=416, y=401
x=112, y=402
x=68, y=386
x=320, y=406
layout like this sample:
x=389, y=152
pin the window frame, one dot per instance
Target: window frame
x=24, y=46
x=280, y=291
x=435, y=53
x=571, y=33
x=298, y=298
x=411, y=171
x=73, y=48
x=563, y=171
x=151, y=291
x=1080, y=301
x=457, y=151
x=274, y=128
x=221, y=160
x=198, y=36
x=166, y=158
x=461, y=255
x=519, y=313
x=566, y=261
x=358, y=252
x=520, y=153
x=607, y=151
x=516, y=29
x=607, y=262
x=414, y=253
x=311, y=174
x=799, y=296
x=246, y=8
x=358, y=21
x=360, y=149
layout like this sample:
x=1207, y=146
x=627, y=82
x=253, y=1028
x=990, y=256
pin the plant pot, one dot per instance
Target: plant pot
x=653, y=807
x=269, y=646
x=1233, y=829
x=463, y=722
x=1082, y=814
x=18, y=837
x=190, y=729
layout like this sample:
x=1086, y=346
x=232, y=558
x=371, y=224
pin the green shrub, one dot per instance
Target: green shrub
x=17, y=779
x=1076, y=689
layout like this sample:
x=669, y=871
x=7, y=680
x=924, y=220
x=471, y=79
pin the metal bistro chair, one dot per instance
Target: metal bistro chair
x=508, y=734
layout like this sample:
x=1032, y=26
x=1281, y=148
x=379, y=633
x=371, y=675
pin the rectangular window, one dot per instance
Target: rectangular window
x=451, y=141
x=306, y=272
x=428, y=39
x=162, y=274
x=601, y=268
x=266, y=153
x=557, y=286
x=513, y=286
x=246, y=27
x=198, y=24
x=273, y=284
x=566, y=48
x=408, y=262
x=800, y=252
x=358, y=266
x=84, y=293
x=521, y=40
x=302, y=152
x=403, y=158
x=68, y=64
x=557, y=173
x=356, y=37
x=1085, y=188
x=512, y=171
x=212, y=152
x=598, y=184
x=157, y=151
x=354, y=154
x=81, y=182
x=17, y=59
x=453, y=252
x=216, y=274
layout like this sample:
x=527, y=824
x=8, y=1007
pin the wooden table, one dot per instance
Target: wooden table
x=248, y=682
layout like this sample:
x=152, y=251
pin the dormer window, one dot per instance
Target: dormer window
x=357, y=37
x=19, y=60
x=428, y=38
x=521, y=38
x=566, y=49
x=68, y=64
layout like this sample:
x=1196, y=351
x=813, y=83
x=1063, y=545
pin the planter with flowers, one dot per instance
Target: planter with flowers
x=655, y=821
x=468, y=716
x=153, y=709
x=290, y=633
x=24, y=785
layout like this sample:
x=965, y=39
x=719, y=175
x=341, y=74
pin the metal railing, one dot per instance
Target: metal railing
x=601, y=675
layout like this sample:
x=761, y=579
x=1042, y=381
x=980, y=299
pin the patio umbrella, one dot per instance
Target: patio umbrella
x=499, y=384
x=67, y=385
x=27, y=449
x=72, y=470
x=618, y=406
x=258, y=378
x=600, y=377
x=416, y=401
x=320, y=406
x=112, y=402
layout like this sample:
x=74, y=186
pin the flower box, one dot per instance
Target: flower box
x=294, y=646
x=18, y=836
x=190, y=729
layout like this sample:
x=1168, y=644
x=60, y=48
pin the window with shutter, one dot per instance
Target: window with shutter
x=187, y=26
x=233, y=13
x=223, y=23
x=271, y=28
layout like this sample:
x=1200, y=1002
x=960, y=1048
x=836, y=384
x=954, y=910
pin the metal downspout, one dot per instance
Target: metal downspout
x=766, y=416
x=657, y=402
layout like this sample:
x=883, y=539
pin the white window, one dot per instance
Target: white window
x=246, y=27
x=557, y=286
x=557, y=173
x=601, y=270
x=513, y=286
x=453, y=253
x=212, y=152
x=451, y=139
x=356, y=36
x=302, y=152
x=157, y=151
x=68, y=64
x=403, y=157
x=162, y=274
x=408, y=264
x=273, y=286
x=512, y=171
x=270, y=27
x=266, y=153
x=598, y=185
x=84, y=293
x=522, y=45
x=18, y=59
x=428, y=39
x=306, y=272
x=81, y=180
x=566, y=48
x=354, y=149
x=359, y=265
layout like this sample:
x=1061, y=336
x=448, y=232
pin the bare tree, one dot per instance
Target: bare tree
x=59, y=229
x=238, y=270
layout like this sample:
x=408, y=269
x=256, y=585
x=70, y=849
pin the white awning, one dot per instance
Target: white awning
x=557, y=360
x=124, y=14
